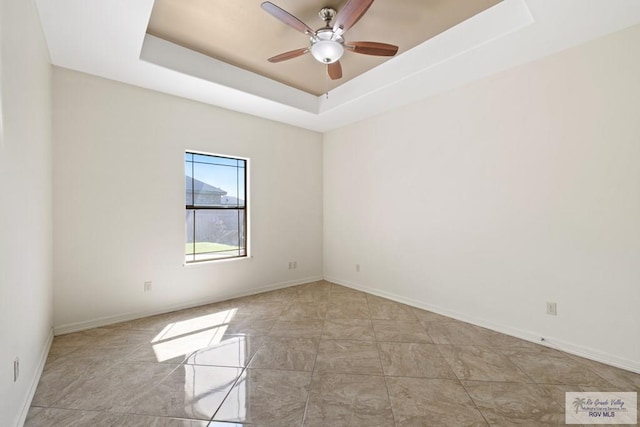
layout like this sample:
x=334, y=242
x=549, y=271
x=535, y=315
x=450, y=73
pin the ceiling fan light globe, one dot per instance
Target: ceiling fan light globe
x=327, y=51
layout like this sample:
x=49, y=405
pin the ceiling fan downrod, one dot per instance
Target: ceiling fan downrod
x=327, y=14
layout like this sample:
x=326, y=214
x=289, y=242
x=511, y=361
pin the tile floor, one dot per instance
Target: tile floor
x=314, y=355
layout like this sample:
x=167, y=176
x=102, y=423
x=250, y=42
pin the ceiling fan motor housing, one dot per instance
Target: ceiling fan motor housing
x=327, y=46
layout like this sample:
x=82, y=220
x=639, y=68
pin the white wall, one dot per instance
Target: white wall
x=119, y=201
x=488, y=201
x=25, y=205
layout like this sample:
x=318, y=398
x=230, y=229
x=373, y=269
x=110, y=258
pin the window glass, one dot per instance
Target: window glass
x=215, y=194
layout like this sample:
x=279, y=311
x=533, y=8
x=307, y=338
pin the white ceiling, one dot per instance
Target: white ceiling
x=107, y=38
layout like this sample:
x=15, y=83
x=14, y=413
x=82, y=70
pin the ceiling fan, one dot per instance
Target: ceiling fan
x=327, y=44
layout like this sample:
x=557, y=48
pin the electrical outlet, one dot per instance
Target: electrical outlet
x=16, y=369
x=148, y=286
x=295, y=264
x=357, y=268
x=552, y=309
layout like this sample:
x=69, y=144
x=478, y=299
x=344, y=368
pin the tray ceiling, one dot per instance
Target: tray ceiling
x=108, y=38
x=240, y=33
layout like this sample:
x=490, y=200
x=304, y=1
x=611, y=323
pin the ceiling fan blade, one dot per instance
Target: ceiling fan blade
x=372, y=48
x=288, y=55
x=285, y=17
x=335, y=70
x=350, y=14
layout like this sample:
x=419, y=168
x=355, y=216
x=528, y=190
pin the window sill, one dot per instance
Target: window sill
x=216, y=261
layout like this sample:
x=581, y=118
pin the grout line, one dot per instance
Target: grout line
x=518, y=368
x=474, y=403
x=246, y=367
x=447, y=362
x=227, y=394
x=393, y=414
x=313, y=370
x=384, y=377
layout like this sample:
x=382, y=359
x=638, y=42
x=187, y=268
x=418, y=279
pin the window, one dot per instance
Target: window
x=216, y=207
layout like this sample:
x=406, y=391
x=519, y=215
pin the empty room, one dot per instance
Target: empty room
x=319, y=213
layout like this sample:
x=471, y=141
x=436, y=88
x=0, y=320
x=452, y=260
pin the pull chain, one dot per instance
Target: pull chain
x=326, y=83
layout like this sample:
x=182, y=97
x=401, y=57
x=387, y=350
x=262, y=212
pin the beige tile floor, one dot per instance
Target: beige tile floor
x=314, y=355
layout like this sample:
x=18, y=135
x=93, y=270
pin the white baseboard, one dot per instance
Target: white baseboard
x=35, y=380
x=110, y=320
x=568, y=347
